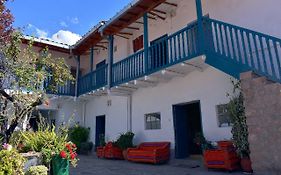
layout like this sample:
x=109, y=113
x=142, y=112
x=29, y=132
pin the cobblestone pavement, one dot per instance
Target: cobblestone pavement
x=90, y=165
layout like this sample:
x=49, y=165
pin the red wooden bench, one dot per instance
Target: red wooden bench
x=150, y=152
x=225, y=157
x=112, y=152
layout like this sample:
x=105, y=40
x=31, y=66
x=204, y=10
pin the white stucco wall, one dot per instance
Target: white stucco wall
x=115, y=115
x=68, y=111
x=210, y=87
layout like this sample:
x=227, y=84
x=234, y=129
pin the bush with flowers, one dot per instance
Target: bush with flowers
x=51, y=142
x=11, y=161
x=69, y=153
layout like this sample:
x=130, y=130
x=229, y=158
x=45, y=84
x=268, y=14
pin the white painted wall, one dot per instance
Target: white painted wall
x=68, y=111
x=210, y=87
x=115, y=115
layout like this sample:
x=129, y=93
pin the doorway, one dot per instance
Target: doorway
x=100, y=129
x=187, y=123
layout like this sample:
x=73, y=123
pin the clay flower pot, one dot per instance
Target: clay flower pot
x=246, y=165
x=125, y=154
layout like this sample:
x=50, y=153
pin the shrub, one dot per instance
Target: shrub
x=37, y=170
x=78, y=135
x=11, y=162
x=86, y=147
x=125, y=140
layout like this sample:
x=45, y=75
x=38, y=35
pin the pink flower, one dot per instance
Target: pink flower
x=7, y=147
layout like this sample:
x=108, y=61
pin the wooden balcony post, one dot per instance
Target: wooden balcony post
x=77, y=75
x=110, y=59
x=145, y=41
x=201, y=41
x=92, y=59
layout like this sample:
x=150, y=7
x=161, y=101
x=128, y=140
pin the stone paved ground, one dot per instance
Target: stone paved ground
x=90, y=165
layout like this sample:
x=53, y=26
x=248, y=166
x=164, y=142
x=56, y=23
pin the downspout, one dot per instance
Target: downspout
x=129, y=113
x=84, y=113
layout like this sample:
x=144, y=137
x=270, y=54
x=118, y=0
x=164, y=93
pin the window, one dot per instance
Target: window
x=152, y=121
x=223, y=116
x=138, y=43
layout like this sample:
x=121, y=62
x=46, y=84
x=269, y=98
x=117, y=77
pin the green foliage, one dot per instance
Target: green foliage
x=37, y=170
x=11, y=162
x=86, y=147
x=46, y=140
x=102, y=140
x=78, y=135
x=239, y=130
x=201, y=141
x=125, y=140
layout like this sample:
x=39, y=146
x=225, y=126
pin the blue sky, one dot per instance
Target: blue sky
x=62, y=20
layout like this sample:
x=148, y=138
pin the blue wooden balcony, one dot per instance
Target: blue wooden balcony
x=93, y=80
x=68, y=89
x=163, y=53
x=229, y=48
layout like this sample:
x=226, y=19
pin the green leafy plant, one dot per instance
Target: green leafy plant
x=78, y=135
x=201, y=141
x=236, y=111
x=102, y=140
x=125, y=140
x=37, y=170
x=11, y=162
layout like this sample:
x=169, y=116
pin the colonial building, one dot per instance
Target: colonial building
x=162, y=69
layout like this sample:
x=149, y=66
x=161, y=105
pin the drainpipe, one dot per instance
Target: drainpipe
x=84, y=113
x=129, y=113
x=77, y=76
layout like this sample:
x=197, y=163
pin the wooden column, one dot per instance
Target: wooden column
x=77, y=75
x=110, y=59
x=201, y=40
x=145, y=41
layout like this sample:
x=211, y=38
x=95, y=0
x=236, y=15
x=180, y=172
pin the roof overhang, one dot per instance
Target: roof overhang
x=44, y=43
x=129, y=15
x=89, y=40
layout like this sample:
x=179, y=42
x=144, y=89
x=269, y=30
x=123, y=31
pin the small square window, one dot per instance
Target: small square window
x=223, y=116
x=152, y=121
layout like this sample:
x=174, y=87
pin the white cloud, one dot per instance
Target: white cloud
x=74, y=20
x=63, y=24
x=67, y=37
x=38, y=32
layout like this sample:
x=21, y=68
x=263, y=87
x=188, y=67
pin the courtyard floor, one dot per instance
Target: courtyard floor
x=90, y=165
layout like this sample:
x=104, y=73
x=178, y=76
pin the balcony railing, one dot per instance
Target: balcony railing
x=68, y=89
x=245, y=49
x=163, y=53
x=93, y=80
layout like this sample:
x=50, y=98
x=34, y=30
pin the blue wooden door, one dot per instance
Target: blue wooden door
x=182, y=149
x=100, y=129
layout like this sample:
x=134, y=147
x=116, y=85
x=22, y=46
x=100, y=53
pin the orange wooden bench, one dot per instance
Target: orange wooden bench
x=225, y=157
x=150, y=152
x=112, y=152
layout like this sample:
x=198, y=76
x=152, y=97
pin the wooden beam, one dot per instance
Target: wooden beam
x=133, y=28
x=122, y=36
x=101, y=46
x=161, y=17
x=138, y=22
x=151, y=17
x=125, y=33
x=159, y=11
x=169, y=3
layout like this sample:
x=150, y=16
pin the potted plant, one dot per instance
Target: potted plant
x=239, y=130
x=60, y=162
x=124, y=142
